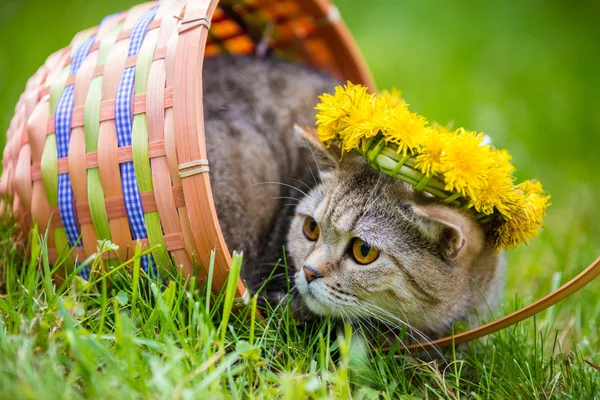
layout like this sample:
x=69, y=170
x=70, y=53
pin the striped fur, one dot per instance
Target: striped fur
x=435, y=265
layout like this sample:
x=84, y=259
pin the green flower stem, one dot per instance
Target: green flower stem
x=409, y=175
x=392, y=153
x=396, y=169
x=455, y=196
x=422, y=183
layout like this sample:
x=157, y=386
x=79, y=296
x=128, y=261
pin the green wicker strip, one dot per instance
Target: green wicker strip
x=49, y=165
x=91, y=114
x=49, y=162
x=57, y=88
x=108, y=43
x=94, y=184
x=92, y=129
x=94, y=95
x=141, y=158
x=97, y=204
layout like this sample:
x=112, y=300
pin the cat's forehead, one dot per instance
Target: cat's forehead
x=361, y=202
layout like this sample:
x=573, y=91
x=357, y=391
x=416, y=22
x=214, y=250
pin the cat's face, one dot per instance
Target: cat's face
x=364, y=244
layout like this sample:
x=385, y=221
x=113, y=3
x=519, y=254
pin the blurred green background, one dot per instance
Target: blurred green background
x=525, y=72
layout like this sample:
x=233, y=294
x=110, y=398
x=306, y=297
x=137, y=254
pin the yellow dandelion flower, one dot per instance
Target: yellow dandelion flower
x=482, y=175
x=511, y=202
x=531, y=186
x=362, y=122
x=429, y=159
x=525, y=222
x=392, y=98
x=465, y=162
x=406, y=129
x=496, y=192
x=333, y=108
x=489, y=195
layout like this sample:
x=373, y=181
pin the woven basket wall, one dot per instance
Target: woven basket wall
x=107, y=141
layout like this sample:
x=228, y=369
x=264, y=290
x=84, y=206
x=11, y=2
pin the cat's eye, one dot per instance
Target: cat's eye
x=363, y=252
x=311, y=229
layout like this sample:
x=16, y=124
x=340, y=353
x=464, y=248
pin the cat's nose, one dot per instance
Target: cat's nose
x=311, y=274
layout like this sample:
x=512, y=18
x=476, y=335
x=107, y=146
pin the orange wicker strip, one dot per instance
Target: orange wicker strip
x=107, y=111
x=159, y=99
x=115, y=206
x=124, y=154
x=174, y=242
x=99, y=70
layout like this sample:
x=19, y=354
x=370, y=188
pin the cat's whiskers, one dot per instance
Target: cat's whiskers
x=381, y=313
x=290, y=204
x=427, y=320
x=369, y=199
x=301, y=181
x=354, y=316
x=281, y=184
x=284, y=197
x=314, y=158
x=362, y=321
x=378, y=310
x=273, y=314
x=349, y=315
x=350, y=300
x=392, y=327
x=368, y=208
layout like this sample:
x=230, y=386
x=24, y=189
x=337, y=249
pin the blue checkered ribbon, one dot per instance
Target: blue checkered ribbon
x=62, y=128
x=85, y=273
x=123, y=121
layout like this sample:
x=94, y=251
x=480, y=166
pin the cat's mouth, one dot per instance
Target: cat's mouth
x=313, y=296
x=317, y=299
x=314, y=300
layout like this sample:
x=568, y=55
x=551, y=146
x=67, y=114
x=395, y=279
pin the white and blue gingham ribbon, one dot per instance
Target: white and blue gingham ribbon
x=123, y=121
x=62, y=130
x=85, y=273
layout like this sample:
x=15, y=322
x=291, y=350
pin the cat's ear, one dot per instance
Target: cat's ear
x=458, y=234
x=329, y=157
x=326, y=158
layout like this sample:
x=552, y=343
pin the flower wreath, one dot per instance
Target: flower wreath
x=456, y=166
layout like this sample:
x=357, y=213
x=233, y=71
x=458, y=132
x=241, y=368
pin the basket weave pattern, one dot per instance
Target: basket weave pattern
x=107, y=141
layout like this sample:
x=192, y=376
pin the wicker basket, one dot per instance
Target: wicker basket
x=107, y=141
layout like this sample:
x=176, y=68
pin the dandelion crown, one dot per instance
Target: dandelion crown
x=455, y=166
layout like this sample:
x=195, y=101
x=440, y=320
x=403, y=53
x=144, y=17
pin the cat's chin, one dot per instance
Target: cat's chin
x=321, y=307
x=316, y=306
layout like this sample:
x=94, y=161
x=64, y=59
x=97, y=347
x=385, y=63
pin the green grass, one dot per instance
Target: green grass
x=526, y=73
x=128, y=335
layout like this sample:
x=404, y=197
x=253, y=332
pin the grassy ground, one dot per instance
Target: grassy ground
x=524, y=73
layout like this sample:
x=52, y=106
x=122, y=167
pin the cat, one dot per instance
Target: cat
x=361, y=244
x=365, y=244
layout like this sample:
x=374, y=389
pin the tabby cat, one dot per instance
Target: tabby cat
x=361, y=244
